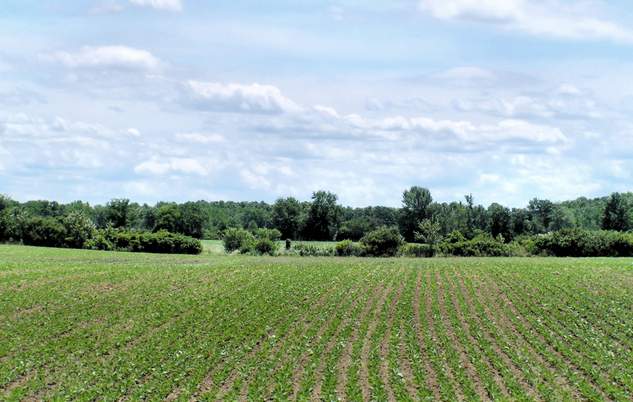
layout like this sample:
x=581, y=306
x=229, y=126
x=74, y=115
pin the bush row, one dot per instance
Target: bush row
x=387, y=242
x=77, y=231
x=148, y=242
x=583, y=243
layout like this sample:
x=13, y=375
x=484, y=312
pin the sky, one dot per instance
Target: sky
x=182, y=100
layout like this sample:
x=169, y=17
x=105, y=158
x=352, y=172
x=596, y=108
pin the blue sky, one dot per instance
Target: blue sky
x=244, y=100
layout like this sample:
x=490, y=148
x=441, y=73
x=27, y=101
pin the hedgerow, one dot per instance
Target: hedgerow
x=148, y=242
x=348, y=248
x=584, y=243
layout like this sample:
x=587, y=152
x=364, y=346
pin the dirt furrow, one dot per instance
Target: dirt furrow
x=346, y=358
x=18, y=382
x=507, y=322
x=384, y=346
x=319, y=373
x=498, y=294
x=299, y=369
x=463, y=356
x=507, y=361
x=428, y=305
x=496, y=376
x=300, y=327
x=227, y=384
x=364, y=354
x=405, y=366
x=430, y=375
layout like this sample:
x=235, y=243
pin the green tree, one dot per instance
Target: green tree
x=542, y=212
x=429, y=232
x=415, y=208
x=616, y=214
x=79, y=229
x=117, y=212
x=500, y=221
x=168, y=217
x=192, y=220
x=287, y=217
x=324, y=216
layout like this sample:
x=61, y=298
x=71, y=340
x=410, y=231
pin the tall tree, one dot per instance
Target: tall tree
x=192, y=219
x=500, y=221
x=415, y=208
x=542, y=212
x=616, y=214
x=287, y=217
x=324, y=216
x=117, y=212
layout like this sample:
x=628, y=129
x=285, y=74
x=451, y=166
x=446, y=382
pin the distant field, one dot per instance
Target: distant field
x=216, y=247
x=212, y=247
x=89, y=325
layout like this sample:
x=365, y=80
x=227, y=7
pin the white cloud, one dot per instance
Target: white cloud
x=237, y=98
x=134, y=132
x=116, y=57
x=563, y=103
x=157, y=166
x=457, y=135
x=551, y=18
x=200, y=138
x=168, y=5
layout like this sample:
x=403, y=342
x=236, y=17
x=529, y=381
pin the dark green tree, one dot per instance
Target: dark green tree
x=192, y=219
x=117, y=212
x=500, y=221
x=168, y=217
x=415, y=208
x=287, y=217
x=616, y=214
x=324, y=216
x=542, y=214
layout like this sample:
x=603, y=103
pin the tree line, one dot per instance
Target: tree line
x=323, y=218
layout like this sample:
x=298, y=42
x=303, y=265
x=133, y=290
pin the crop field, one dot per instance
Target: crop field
x=216, y=247
x=85, y=325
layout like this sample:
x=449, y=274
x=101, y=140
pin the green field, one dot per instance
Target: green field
x=215, y=247
x=84, y=325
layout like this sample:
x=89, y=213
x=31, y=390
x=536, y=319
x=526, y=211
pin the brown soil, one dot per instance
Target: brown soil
x=346, y=359
x=430, y=375
x=516, y=372
x=463, y=356
x=364, y=354
x=428, y=303
x=384, y=346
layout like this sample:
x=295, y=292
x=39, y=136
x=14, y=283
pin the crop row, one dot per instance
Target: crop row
x=82, y=325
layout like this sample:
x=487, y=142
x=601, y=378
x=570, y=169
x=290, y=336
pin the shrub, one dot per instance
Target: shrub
x=312, y=250
x=479, y=246
x=264, y=233
x=584, y=243
x=455, y=237
x=45, y=232
x=348, y=248
x=79, y=229
x=158, y=242
x=99, y=241
x=237, y=239
x=382, y=242
x=265, y=246
x=417, y=250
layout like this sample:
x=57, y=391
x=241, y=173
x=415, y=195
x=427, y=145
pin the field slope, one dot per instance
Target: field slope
x=82, y=325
